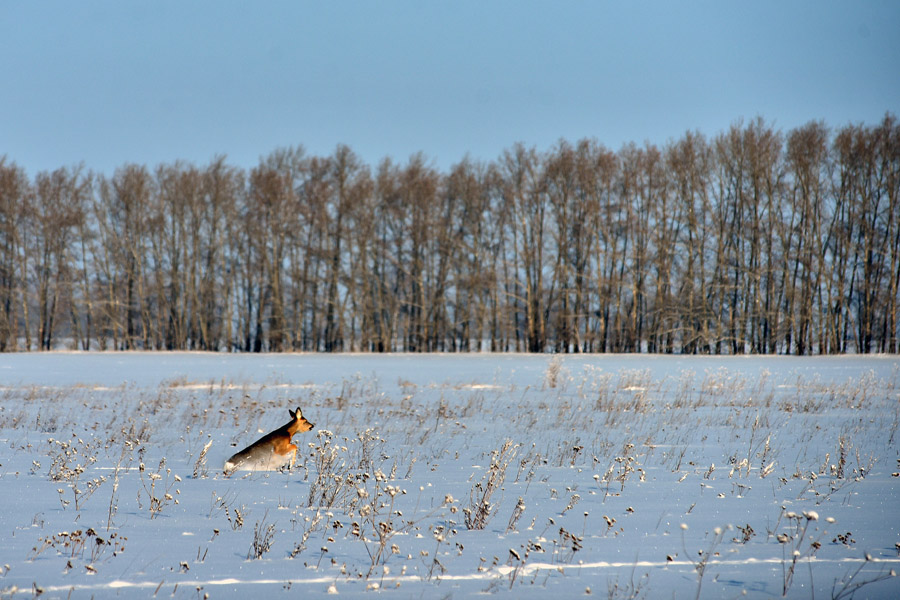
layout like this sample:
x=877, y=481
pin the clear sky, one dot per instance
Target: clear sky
x=108, y=83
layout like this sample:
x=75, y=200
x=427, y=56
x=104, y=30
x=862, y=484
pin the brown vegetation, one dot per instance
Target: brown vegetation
x=753, y=241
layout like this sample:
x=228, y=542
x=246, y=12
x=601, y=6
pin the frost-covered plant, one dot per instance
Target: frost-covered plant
x=621, y=467
x=200, y=468
x=831, y=477
x=519, y=560
x=263, y=537
x=573, y=500
x=379, y=526
x=369, y=445
x=69, y=461
x=850, y=583
x=440, y=535
x=157, y=486
x=746, y=534
x=703, y=556
x=480, y=509
x=529, y=464
x=331, y=473
x=128, y=447
x=518, y=511
x=225, y=503
x=554, y=369
x=794, y=541
x=630, y=589
x=312, y=524
x=567, y=545
x=74, y=544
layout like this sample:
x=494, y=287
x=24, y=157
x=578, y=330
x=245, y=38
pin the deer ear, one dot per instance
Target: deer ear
x=298, y=414
x=293, y=413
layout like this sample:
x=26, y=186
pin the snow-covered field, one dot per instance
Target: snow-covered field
x=450, y=476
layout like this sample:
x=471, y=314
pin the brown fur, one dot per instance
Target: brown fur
x=273, y=450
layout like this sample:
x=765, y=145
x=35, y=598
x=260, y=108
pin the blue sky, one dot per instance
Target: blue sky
x=108, y=83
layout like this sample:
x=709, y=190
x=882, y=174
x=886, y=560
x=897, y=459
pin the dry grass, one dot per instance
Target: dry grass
x=612, y=428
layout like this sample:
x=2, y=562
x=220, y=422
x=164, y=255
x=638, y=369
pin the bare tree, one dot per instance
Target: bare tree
x=688, y=163
x=751, y=242
x=121, y=211
x=525, y=200
x=15, y=201
x=58, y=211
x=350, y=185
x=807, y=149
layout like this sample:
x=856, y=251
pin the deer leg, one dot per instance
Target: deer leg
x=293, y=452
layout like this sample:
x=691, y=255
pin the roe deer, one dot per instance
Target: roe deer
x=273, y=450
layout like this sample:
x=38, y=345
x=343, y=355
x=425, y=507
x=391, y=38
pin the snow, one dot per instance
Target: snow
x=639, y=476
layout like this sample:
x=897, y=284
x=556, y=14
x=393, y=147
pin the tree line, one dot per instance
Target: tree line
x=753, y=241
